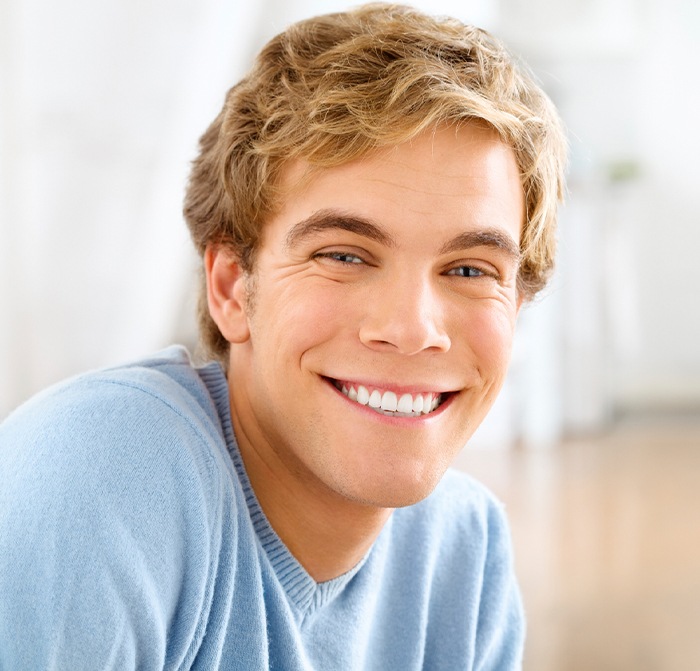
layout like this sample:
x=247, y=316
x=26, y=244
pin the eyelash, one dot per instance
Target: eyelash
x=479, y=272
x=339, y=256
x=342, y=259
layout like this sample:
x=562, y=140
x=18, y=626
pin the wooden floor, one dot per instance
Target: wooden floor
x=607, y=539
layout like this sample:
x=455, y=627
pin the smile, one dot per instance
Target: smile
x=388, y=402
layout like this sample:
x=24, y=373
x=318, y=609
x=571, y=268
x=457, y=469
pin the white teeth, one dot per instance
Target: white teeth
x=418, y=403
x=362, y=395
x=389, y=401
x=405, y=404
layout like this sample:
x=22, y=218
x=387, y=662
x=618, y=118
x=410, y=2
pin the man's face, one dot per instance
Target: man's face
x=391, y=282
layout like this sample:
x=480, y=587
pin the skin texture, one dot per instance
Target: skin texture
x=398, y=272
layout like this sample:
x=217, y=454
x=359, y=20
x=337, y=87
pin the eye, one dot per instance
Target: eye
x=466, y=271
x=340, y=257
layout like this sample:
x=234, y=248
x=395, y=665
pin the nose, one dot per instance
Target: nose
x=406, y=317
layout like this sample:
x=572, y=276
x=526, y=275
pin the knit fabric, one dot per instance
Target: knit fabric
x=130, y=538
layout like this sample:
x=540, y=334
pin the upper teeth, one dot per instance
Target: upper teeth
x=387, y=402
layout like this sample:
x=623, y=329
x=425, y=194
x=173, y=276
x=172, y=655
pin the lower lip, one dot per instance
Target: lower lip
x=402, y=421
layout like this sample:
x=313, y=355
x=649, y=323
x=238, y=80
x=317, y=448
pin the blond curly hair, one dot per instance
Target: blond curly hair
x=334, y=88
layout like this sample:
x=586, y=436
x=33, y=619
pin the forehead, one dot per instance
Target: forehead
x=446, y=177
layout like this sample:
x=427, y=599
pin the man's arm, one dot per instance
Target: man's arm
x=501, y=627
x=105, y=535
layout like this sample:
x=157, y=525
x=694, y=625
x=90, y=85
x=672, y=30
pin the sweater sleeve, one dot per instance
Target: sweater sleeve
x=501, y=626
x=109, y=507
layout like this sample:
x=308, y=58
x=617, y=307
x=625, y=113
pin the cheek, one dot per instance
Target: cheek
x=488, y=332
x=303, y=317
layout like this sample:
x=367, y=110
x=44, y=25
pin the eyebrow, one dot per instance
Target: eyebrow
x=490, y=237
x=324, y=220
x=329, y=219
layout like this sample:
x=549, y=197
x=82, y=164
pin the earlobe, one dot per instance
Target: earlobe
x=227, y=293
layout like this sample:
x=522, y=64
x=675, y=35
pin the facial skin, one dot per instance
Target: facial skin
x=396, y=272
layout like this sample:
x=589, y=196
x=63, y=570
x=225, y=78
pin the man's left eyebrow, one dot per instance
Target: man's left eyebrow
x=332, y=219
x=490, y=237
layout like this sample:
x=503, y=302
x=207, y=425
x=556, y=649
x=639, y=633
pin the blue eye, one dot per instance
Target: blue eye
x=341, y=257
x=466, y=271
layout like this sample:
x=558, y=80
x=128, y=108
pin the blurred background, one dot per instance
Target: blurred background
x=594, y=444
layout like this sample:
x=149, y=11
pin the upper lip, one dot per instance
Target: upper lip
x=413, y=388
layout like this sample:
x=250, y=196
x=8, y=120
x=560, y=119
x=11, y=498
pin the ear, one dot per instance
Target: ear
x=227, y=293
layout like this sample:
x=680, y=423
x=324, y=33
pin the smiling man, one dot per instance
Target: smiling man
x=373, y=205
x=372, y=333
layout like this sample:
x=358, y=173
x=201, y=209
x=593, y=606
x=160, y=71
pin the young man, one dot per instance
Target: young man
x=373, y=205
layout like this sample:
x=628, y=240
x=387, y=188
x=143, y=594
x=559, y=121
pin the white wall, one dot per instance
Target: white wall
x=624, y=74
x=100, y=108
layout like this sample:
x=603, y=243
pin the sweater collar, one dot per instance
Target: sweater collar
x=303, y=592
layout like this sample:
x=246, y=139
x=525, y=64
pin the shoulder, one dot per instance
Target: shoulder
x=136, y=432
x=113, y=406
x=454, y=549
x=459, y=504
x=460, y=530
x=116, y=482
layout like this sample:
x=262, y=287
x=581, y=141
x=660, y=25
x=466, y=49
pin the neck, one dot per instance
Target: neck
x=327, y=538
x=327, y=533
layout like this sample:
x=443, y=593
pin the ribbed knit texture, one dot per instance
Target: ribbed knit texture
x=131, y=538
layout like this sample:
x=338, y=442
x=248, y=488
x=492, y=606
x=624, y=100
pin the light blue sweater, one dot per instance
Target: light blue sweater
x=130, y=538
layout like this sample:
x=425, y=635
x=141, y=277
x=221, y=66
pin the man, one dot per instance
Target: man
x=373, y=205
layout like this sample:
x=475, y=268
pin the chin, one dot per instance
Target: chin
x=396, y=490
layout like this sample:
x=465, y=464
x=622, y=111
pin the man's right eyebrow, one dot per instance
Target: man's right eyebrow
x=329, y=219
